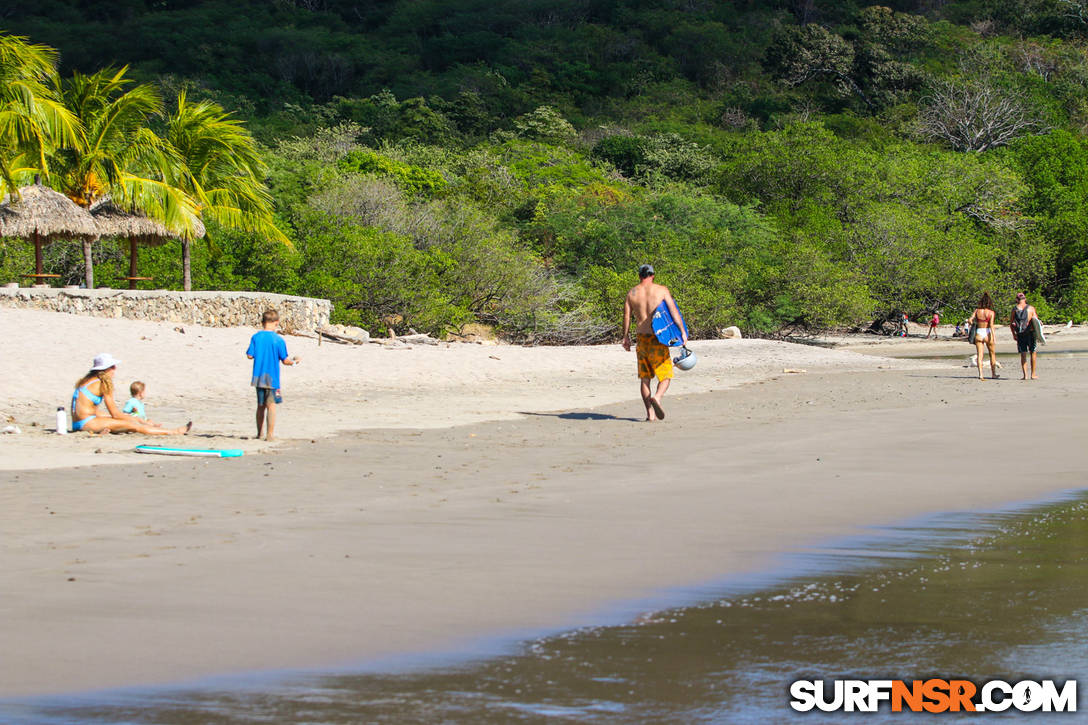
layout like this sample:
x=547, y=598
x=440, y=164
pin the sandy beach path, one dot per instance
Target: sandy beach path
x=386, y=542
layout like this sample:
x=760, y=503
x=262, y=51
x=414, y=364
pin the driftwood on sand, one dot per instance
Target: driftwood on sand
x=325, y=333
x=348, y=335
x=417, y=339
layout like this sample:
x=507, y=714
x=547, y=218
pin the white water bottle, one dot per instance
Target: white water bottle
x=62, y=421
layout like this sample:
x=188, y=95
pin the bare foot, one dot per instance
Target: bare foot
x=184, y=430
x=996, y=376
x=270, y=438
x=656, y=404
x=1034, y=377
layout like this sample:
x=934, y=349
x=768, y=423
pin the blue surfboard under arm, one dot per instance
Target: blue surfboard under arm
x=667, y=331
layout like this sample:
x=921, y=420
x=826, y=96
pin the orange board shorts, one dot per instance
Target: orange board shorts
x=654, y=359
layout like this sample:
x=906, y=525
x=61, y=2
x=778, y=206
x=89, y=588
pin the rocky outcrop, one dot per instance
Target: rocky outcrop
x=731, y=333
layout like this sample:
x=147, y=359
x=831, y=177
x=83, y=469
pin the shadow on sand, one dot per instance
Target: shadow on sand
x=967, y=376
x=581, y=416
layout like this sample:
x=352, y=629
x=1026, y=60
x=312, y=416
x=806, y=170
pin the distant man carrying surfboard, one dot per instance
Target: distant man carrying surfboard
x=1023, y=322
x=654, y=359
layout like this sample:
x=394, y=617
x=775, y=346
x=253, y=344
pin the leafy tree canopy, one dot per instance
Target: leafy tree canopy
x=787, y=165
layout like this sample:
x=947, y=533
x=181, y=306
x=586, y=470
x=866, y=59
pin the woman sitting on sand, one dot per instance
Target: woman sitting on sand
x=95, y=388
x=983, y=320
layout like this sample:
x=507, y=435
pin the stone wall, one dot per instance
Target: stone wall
x=211, y=309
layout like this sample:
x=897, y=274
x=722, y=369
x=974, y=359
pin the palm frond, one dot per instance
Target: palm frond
x=33, y=118
x=235, y=218
x=175, y=209
x=7, y=178
x=16, y=171
x=222, y=168
x=211, y=140
x=19, y=58
x=148, y=152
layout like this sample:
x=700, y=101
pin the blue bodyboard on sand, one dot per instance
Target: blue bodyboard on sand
x=667, y=331
x=199, y=452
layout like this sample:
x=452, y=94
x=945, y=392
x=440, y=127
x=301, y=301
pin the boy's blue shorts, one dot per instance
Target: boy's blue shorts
x=263, y=394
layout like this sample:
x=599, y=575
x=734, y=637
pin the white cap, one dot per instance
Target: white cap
x=103, y=361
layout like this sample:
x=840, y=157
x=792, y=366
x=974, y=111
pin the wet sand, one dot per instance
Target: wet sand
x=987, y=595
x=392, y=542
x=916, y=344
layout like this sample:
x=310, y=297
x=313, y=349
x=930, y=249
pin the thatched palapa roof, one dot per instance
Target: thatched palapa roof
x=45, y=212
x=113, y=221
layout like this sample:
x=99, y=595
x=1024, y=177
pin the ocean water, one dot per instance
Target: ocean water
x=1001, y=594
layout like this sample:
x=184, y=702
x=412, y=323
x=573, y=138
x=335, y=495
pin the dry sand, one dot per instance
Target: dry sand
x=384, y=542
x=203, y=375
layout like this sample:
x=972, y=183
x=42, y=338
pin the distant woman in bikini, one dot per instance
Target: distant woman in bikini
x=95, y=388
x=983, y=320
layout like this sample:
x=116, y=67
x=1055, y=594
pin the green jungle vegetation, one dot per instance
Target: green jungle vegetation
x=787, y=165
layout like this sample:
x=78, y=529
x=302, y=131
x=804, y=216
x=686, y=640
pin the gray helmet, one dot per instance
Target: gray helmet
x=686, y=360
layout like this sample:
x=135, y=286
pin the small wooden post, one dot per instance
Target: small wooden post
x=186, y=266
x=88, y=262
x=37, y=254
x=132, y=262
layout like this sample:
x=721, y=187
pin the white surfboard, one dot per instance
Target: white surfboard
x=1037, y=330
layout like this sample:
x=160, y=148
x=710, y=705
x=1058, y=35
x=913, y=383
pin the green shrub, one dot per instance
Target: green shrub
x=1075, y=305
x=544, y=124
x=412, y=179
x=626, y=153
x=375, y=279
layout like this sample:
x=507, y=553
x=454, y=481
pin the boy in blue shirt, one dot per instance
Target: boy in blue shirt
x=267, y=350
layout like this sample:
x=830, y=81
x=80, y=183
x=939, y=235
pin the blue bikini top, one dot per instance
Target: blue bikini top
x=96, y=399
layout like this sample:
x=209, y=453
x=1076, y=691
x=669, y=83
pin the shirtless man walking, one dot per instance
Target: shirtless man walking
x=654, y=359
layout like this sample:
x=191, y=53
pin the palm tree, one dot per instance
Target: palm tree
x=91, y=137
x=117, y=154
x=33, y=119
x=222, y=169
